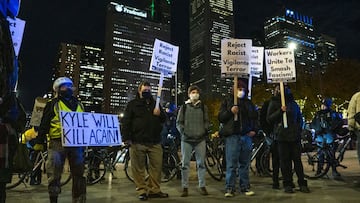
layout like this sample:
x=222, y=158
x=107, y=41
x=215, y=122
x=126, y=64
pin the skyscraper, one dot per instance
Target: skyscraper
x=210, y=22
x=294, y=30
x=130, y=35
x=84, y=64
x=326, y=51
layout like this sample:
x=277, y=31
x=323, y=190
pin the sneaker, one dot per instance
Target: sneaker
x=247, y=192
x=304, y=189
x=184, y=193
x=203, y=191
x=229, y=193
x=143, y=197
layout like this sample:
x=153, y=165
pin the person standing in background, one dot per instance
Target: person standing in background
x=193, y=124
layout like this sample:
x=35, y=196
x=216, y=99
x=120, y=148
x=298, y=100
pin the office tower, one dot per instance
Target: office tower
x=84, y=64
x=326, y=51
x=210, y=22
x=294, y=30
x=129, y=37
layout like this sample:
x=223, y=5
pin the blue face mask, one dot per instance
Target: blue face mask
x=146, y=95
x=66, y=93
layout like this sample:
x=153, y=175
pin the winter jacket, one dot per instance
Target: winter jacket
x=294, y=119
x=247, y=117
x=139, y=124
x=354, y=107
x=193, y=122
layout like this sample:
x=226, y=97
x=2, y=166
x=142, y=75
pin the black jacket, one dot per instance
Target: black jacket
x=247, y=117
x=139, y=125
x=294, y=119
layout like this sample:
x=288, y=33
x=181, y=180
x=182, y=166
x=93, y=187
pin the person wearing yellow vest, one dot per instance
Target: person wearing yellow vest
x=50, y=126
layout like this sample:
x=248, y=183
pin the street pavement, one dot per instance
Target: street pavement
x=120, y=189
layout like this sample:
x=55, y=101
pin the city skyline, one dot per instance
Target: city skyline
x=48, y=25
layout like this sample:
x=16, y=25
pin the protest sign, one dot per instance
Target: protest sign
x=235, y=54
x=280, y=65
x=89, y=129
x=164, y=58
x=16, y=27
x=164, y=61
x=256, y=61
x=38, y=111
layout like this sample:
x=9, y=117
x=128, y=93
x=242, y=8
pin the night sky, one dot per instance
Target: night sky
x=48, y=23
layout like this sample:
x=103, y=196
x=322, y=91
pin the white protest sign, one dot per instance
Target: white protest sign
x=38, y=111
x=16, y=27
x=164, y=58
x=89, y=129
x=280, y=65
x=256, y=61
x=235, y=54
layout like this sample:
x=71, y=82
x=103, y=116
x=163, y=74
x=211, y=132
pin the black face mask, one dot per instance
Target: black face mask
x=146, y=95
x=66, y=93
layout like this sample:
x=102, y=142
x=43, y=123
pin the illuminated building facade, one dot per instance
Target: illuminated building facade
x=84, y=64
x=294, y=30
x=129, y=38
x=326, y=51
x=210, y=22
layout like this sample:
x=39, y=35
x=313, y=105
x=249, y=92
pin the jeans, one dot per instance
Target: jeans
x=200, y=153
x=55, y=165
x=357, y=133
x=238, y=155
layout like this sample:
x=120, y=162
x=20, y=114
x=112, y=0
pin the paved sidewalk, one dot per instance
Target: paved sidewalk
x=324, y=190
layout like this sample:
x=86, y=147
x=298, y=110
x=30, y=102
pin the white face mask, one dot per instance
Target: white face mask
x=194, y=96
x=241, y=94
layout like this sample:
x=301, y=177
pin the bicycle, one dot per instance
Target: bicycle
x=39, y=163
x=215, y=158
x=171, y=162
x=98, y=161
x=318, y=163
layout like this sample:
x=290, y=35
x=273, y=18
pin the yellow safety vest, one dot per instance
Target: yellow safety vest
x=55, y=125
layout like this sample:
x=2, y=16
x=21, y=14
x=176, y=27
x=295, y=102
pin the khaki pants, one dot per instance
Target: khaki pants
x=144, y=157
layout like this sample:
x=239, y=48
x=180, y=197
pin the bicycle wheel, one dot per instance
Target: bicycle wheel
x=214, y=167
x=316, y=164
x=95, y=169
x=128, y=170
x=170, y=167
x=266, y=163
x=17, y=179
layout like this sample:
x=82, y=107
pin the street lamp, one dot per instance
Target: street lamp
x=292, y=45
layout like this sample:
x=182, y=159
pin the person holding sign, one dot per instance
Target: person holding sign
x=193, y=124
x=238, y=135
x=289, y=139
x=50, y=125
x=141, y=128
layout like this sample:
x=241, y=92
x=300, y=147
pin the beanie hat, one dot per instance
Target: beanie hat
x=327, y=102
